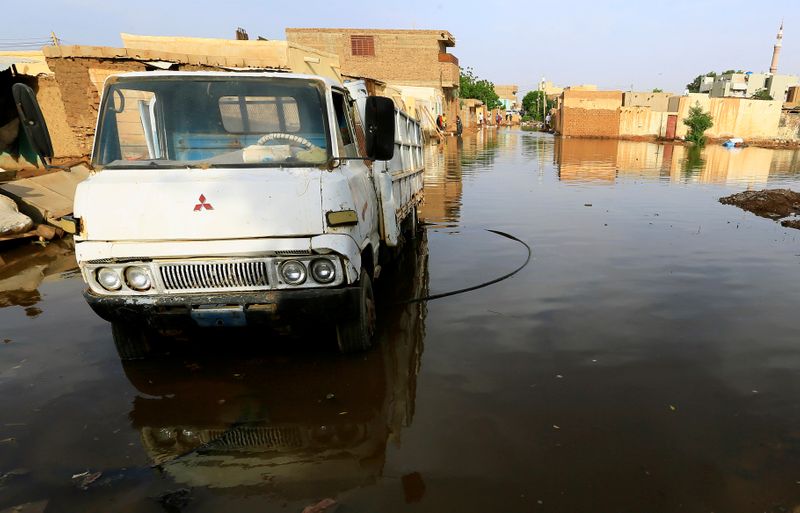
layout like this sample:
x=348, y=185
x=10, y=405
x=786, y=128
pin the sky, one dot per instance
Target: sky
x=621, y=45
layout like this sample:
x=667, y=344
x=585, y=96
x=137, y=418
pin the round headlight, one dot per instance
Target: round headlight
x=137, y=278
x=323, y=270
x=293, y=272
x=109, y=278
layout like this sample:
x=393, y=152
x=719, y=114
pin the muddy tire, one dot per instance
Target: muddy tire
x=132, y=341
x=354, y=335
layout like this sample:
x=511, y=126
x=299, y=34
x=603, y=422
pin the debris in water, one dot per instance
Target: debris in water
x=321, y=506
x=769, y=203
x=86, y=479
x=587, y=204
x=556, y=427
x=176, y=500
x=672, y=407
x=791, y=223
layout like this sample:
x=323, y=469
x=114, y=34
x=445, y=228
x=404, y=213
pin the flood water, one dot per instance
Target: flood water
x=645, y=360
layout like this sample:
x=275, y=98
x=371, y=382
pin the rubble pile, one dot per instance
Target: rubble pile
x=774, y=204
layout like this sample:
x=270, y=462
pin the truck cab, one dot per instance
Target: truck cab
x=230, y=199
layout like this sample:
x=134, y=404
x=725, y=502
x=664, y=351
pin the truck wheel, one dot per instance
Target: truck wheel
x=355, y=334
x=131, y=340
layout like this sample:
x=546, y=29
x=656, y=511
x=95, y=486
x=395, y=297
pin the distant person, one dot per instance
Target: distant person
x=499, y=119
x=440, y=122
x=547, y=121
x=480, y=119
x=459, y=126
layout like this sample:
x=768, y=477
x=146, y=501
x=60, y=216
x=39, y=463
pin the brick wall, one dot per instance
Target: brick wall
x=405, y=57
x=81, y=96
x=590, y=113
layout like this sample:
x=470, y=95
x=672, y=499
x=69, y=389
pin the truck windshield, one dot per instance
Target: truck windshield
x=203, y=121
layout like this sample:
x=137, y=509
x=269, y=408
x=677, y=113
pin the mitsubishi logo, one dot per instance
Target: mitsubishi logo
x=202, y=205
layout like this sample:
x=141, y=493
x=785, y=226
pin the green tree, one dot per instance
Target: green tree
x=694, y=85
x=762, y=94
x=532, y=104
x=470, y=86
x=698, y=122
x=658, y=90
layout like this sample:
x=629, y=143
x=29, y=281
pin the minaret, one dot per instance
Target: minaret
x=776, y=51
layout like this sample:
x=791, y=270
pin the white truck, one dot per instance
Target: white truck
x=236, y=198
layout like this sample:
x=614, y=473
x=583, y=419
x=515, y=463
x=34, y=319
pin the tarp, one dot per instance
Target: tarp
x=11, y=221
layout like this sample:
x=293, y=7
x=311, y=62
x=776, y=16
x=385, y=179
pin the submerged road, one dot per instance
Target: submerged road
x=645, y=360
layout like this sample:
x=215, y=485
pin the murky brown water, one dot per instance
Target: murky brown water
x=646, y=360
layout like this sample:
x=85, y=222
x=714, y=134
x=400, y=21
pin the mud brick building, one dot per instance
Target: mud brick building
x=414, y=61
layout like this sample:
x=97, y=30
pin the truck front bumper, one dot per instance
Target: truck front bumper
x=229, y=309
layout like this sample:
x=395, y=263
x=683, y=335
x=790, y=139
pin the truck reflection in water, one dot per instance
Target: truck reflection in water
x=300, y=425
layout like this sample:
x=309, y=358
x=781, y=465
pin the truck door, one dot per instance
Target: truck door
x=350, y=140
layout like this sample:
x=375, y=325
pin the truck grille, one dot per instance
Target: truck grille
x=205, y=276
x=244, y=437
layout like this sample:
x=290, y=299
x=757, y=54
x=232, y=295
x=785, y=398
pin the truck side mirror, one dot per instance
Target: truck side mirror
x=379, y=114
x=32, y=121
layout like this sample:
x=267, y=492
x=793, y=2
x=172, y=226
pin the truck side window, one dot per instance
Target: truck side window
x=133, y=113
x=348, y=140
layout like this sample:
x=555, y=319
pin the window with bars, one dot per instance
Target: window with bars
x=362, y=45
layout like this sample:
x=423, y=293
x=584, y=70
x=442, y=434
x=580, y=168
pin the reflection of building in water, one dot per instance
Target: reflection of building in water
x=302, y=426
x=604, y=160
x=442, y=182
x=586, y=159
x=719, y=164
x=445, y=165
x=27, y=267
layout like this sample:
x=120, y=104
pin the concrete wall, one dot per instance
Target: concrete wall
x=590, y=113
x=507, y=93
x=779, y=85
x=656, y=101
x=641, y=122
x=734, y=117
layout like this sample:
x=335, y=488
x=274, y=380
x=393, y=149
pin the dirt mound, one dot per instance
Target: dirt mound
x=769, y=203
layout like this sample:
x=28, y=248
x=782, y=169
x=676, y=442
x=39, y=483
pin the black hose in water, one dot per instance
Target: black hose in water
x=484, y=284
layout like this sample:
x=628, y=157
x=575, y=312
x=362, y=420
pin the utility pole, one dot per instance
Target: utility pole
x=543, y=97
x=56, y=41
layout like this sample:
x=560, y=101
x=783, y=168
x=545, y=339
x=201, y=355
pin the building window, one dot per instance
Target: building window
x=362, y=45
